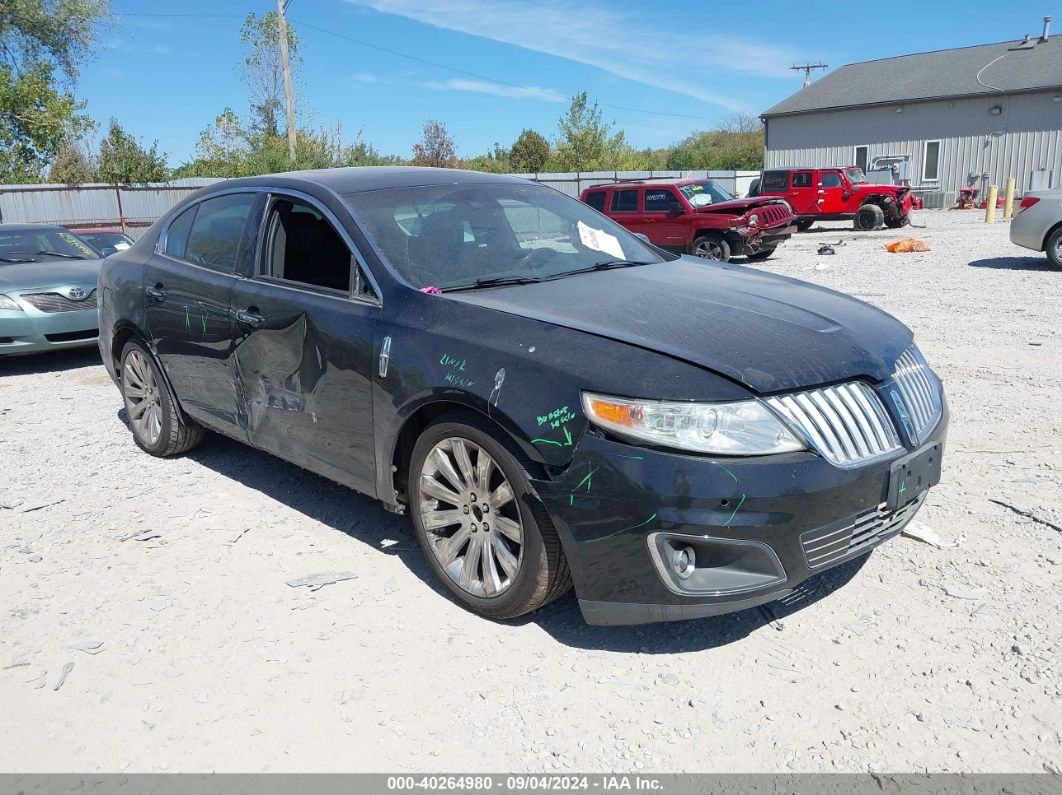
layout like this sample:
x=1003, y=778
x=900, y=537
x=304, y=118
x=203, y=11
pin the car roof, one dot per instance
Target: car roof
x=31, y=227
x=649, y=181
x=808, y=168
x=366, y=178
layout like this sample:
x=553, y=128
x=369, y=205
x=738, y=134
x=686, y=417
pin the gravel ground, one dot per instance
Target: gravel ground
x=146, y=623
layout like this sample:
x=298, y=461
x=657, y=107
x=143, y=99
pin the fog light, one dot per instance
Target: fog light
x=683, y=561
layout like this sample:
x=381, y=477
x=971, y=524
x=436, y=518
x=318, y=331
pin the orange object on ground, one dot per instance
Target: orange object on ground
x=907, y=245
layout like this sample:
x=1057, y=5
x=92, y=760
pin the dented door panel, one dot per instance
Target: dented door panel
x=304, y=379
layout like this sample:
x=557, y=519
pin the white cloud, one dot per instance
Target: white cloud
x=595, y=34
x=363, y=77
x=498, y=90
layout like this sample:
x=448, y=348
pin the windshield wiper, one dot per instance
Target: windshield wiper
x=496, y=281
x=607, y=265
x=9, y=259
x=52, y=254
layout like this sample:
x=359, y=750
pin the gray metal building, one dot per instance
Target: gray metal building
x=951, y=118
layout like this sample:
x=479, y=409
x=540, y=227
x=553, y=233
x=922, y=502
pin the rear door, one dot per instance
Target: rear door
x=304, y=325
x=831, y=193
x=187, y=287
x=663, y=218
x=624, y=208
x=803, y=193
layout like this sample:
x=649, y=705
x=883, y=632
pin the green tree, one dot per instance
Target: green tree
x=529, y=152
x=263, y=73
x=736, y=143
x=124, y=159
x=586, y=143
x=74, y=164
x=42, y=42
x=435, y=147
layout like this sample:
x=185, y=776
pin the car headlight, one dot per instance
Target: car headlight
x=8, y=303
x=746, y=427
x=754, y=219
x=888, y=199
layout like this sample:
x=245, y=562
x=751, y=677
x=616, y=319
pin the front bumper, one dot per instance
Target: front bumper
x=32, y=331
x=760, y=525
x=755, y=238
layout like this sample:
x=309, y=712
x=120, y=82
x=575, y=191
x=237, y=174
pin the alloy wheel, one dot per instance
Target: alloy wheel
x=709, y=249
x=470, y=517
x=142, y=397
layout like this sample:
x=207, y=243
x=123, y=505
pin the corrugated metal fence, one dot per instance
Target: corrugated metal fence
x=133, y=208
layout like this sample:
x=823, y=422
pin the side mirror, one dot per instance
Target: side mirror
x=846, y=194
x=642, y=237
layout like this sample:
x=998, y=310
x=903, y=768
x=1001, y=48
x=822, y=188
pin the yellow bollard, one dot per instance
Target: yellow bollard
x=1008, y=198
x=990, y=204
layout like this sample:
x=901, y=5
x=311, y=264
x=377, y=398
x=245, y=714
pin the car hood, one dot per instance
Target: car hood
x=769, y=333
x=882, y=188
x=36, y=275
x=740, y=206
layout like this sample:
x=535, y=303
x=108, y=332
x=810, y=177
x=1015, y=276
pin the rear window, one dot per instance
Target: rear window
x=625, y=201
x=774, y=180
x=213, y=233
x=596, y=199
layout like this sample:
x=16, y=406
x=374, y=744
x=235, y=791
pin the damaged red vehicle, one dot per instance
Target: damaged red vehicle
x=696, y=216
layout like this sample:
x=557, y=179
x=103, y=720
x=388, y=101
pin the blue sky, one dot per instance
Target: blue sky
x=659, y=70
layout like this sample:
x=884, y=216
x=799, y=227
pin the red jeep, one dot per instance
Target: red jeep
x=836, y=194
x=695, y=216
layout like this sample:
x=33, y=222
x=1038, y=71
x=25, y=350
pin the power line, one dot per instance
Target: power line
x=434, y=64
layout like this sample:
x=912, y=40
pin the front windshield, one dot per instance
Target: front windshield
x=41, y=245
x=115, y=240
x=449, y=236
x=704, y=192
x=855, y=175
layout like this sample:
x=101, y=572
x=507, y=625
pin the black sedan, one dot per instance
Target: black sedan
x=551, y=399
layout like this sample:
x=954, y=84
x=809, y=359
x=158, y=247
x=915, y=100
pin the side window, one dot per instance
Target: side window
x=625, y=201
x=774, y=180
x=802, y=179
x=596, y=199
x=831, y=179
x=219, y=237
x=177, y=236
x=303, y=247
x=660, y=200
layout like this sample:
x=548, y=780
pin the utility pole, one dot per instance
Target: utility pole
x=282, y=23
x=806, y=69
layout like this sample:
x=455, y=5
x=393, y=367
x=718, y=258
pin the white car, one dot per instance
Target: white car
x=1038, y=224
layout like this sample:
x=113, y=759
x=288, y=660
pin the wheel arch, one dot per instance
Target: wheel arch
x=1047, y=235
x=419, y=414
x=126, y=330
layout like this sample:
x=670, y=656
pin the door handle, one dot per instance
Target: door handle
x=250, y=318
x=155, y=294
x=822, y=192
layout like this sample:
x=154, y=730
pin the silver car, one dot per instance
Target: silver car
x=1038, y=224
x=47, y=289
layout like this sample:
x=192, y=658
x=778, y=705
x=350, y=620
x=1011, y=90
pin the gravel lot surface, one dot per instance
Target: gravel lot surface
x=146, y=623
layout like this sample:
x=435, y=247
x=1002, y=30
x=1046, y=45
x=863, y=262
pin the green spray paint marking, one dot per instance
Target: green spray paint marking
x=728, y=472
x=187, y=321
x=625, y=529
x=546, y=441
x=738, y=508
x=202, y=320
x=566, y=443
x=634, y=457
x=587, y=479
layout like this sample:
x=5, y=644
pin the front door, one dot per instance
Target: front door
x=187, y=290
x=303, y=346
x=662, y=218
x=831, y=193
x=803, y=194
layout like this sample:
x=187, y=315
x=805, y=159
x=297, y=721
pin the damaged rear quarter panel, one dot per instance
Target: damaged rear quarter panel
x=526, y=375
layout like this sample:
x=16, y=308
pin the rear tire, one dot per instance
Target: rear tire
x=804, y=224
x=869, y=217
x=159, y=427
x=501, y=562
x=1053, y=249
x=711, y=247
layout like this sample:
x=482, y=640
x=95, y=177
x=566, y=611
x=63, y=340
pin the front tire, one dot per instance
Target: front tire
x=1053, y=249
x=711, y=247
x=492, y=547
x=869, y=217
x=159, y=427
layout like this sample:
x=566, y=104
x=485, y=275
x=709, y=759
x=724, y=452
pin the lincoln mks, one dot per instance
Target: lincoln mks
x=553, y=401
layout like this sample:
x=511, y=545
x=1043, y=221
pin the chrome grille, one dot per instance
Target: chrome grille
x=773, y=214
x=919, y=394
x=828, y=545
x=54, y=302
x=845, y=423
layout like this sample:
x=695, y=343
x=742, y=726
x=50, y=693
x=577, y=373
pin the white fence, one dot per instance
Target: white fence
x=133, y=208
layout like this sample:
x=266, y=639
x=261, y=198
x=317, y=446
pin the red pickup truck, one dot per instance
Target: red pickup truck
x=696, y=216
x=836, y=194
